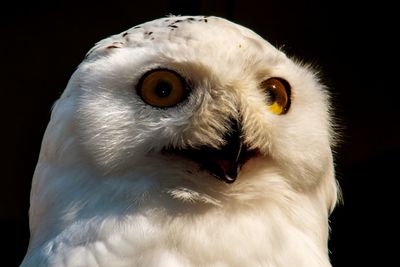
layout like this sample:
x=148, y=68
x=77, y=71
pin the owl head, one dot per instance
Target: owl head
x=197, y=105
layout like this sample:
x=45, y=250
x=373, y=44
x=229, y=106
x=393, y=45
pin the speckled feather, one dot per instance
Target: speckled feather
x=105, y=194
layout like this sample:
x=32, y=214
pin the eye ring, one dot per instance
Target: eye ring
x=278, y=92
x=162, y=88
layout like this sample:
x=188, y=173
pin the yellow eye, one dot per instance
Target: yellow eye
x=278, y=95
x=162, y=88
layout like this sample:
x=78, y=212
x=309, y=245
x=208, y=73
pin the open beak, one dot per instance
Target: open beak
x=224, y=163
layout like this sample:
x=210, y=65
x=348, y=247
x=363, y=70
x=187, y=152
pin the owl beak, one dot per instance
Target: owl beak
x=223, y=168
x=226, y=162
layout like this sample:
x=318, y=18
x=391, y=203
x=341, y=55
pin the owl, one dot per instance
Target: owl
x=185, y=141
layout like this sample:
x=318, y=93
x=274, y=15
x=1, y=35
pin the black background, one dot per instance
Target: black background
x=353, y=45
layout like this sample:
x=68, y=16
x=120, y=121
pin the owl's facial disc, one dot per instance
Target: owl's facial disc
x=224, y=163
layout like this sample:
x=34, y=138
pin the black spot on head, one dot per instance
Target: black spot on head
x=115, y=45
x=112, y=46
x=125, y=34
x=205, y=20
x=172, y=26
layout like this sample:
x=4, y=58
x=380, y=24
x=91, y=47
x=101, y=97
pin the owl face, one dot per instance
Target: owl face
x=200, y=99
x=185, y=141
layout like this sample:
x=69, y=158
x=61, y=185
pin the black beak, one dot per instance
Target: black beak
x=224, y=163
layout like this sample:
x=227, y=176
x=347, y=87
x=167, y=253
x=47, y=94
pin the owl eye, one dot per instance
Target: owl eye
x=162, y=88
x=278, y=95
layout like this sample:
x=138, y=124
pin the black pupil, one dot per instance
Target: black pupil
x=163, y=89
x=271, y=96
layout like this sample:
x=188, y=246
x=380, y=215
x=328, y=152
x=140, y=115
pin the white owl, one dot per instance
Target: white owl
x=185, y=141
